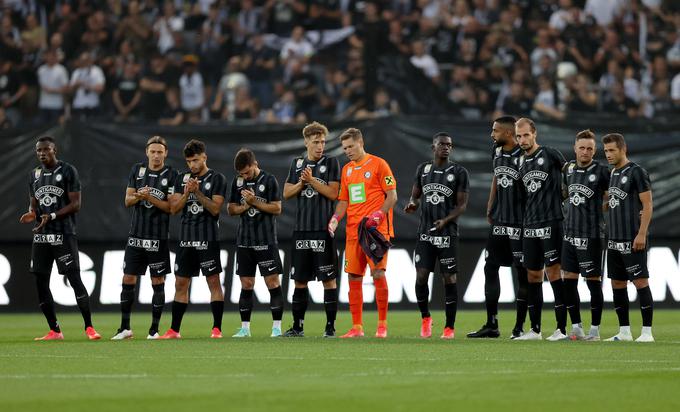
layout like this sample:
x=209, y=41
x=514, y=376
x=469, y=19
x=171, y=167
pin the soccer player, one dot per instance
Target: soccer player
x=504, y=213
x=630, y=212
x=54, y=188
x=540, y=168
x=149, y=185
x=445, y=186
x=314, y=181
x=255, y=198
x=367, y=189
x=586, y=183
x=199, y=194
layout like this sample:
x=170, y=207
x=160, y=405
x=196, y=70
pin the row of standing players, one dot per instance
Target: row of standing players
x=524, y=210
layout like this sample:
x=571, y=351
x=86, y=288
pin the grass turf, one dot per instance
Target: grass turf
x=402, y=373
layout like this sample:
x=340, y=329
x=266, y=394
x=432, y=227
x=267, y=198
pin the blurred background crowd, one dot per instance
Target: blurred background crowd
x=288, y=61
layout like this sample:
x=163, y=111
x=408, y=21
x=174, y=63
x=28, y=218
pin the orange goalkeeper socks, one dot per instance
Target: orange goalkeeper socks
x=381, y=295
x=356, y=301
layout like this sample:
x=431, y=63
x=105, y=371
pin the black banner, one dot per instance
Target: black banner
x=101, y=270
x=104, y=153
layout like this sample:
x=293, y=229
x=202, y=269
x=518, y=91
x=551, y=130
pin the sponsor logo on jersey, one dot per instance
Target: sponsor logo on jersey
x=52, y=239
x=197, y=244
x=616, y=195
x=438, y=241
x=514, y=233
x=142, y=171
x=315, y=245
x=299, y=163
x=580, y=243
x=427, y=169
x=157, y=193
x=47, y=195
x=532, y=180
x=439, y=193
x=505, y=176
x=623, y=247
x=195, y=208
x=150, y=245
x=540, y=233
x=578, y=194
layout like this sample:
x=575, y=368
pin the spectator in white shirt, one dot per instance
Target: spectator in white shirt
x=87, y=83
x=424, y=61
x=53, y=80
x=167, y=26
x=297, y=48
x=191, y=93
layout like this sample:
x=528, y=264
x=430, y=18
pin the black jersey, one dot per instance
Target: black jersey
x=198, y=224
x=313, y=209
x=541, y=174
x=625, y=186
x=440, y=187
x=508, y=205
x=148, y=221
x=256, y=228
x=585, y=186
x=50, y=187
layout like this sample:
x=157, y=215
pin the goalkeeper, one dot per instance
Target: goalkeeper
x=367, y=189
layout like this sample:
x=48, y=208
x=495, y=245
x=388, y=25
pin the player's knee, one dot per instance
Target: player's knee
x=450, y=278
x=422, y=276
x=378, y=274
x=158, y=280
x=330, y=284
x=247, y=283
x=641, y=283
x=535, y=276
x=182, y=284
x=272, y=281
x=619, y=284
x=570, y=275
x=131, y=280
x=302, y=285
x=491, y=269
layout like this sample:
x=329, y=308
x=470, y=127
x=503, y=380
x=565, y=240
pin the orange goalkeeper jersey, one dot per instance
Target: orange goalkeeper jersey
x=363, y=185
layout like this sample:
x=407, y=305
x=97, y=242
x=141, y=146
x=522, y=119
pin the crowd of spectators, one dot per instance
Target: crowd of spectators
x=282, y=61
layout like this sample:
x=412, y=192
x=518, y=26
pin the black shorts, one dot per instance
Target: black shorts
x=198, y=256
x=314, y=257
x=48, y=248
x=623, y=263
x=504, y=246
x=430, y=249
x=582, y=255
x=542, y=245
x=143, y=253
x=266, y=257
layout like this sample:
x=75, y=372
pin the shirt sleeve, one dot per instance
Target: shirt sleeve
x=172, y=178
x=72, y=183
x=387, y=180
x=220, y=188
x=558, y=157
x=463, y=180
x=344, y=194
x=333, y=170
x=133, y=174
x=179, y=179
x=641, y=181
x=293, y=177
x=605, y=178
x=234, y=195
x=273, y=194
x=416, y=179
x=30, y=183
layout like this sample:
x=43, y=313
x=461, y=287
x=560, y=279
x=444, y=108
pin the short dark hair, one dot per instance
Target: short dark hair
x=440, y=134
x=244, y=158
x=194, y=147
x=528, y=121
x=313, y=129
x=48, y=139
x=351, y=133
x=585, y=134
x=157, y=139
x=614, y=138
x=506, y=121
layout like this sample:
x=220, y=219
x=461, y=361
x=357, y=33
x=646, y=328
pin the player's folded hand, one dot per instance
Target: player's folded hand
x=333, y=225
x=374, y=219
x=27, y=217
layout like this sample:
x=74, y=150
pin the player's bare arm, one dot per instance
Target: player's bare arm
x=177, y=201
x=640, y=241
x=273, y=208
x=29, y=216
x=144, y=194
x=414, y=200
x=131, y=197
x=235, y=209
x=492, y=199
x=390, y=201
x=340, y=210
x=605, y=201
x=212, y=205
x=291, y=190
x=329, y=191
x=461, y=206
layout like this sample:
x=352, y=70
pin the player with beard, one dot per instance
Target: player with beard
x=445, y=186
x=199, y=194
x=504, y=213
x=630, y=213
x=54, y=188
x=585, y=183
x=540, y=168
x=149, y=185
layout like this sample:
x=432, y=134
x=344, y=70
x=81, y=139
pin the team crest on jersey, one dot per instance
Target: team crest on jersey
x=367, y=175
x=195, y=208
x=427, y=168
x=207, y=186
x=322, y=169
x=449, y=178
x=239, y=182
x=308, y=192
x=571, y=168
x=164, y=182
x=37, y=173
x=58, y=177
x=142, y=170
x=592, y=178
x=260, y=188
x=624, y=179
x=540, y=161
x=349, y=172
x=299, y=163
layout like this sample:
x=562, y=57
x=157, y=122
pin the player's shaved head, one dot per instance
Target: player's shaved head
x=47, y=139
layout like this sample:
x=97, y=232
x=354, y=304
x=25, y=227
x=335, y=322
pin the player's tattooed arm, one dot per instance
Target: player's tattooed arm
x=414, y=200
x=273, y=207
x=177, y=201
x=213, y=205
x=461, y=207
x=491, y=201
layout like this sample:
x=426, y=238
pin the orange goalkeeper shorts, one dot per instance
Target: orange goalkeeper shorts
x=356, y=260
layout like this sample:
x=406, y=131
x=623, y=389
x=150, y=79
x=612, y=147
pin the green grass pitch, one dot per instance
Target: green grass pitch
x=402, y=373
